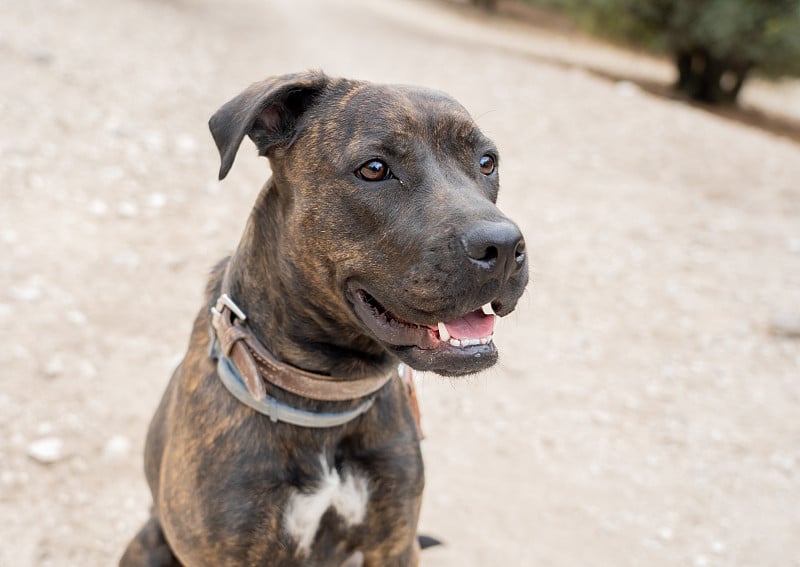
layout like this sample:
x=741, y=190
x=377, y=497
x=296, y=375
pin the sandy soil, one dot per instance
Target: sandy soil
x=645, y=411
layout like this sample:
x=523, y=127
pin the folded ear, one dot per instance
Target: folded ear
x=267, y=112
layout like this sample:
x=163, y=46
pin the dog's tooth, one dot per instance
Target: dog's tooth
x=487, y=309
x=444, y=335
x=455, y=342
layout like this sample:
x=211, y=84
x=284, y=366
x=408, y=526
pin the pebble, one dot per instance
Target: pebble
x=76, y=317
x=785, y=324
x=87, y=369
x=98, y=208
x=127, y=209
x=117, y=447
x=46, y=450
x=173, y=261
x=626, y=89
x=186, y=144
x=112, y=174
x=210, y=228
x=28, y=294
x=54, y=367
x=125, y=259
x=41, y=56
x=156, y=200
x=666, y=534
x=9, y=236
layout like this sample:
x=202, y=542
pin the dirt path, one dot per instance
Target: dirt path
x=642, y=413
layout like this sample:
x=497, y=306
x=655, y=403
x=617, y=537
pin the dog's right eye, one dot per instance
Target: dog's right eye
x=374, y=170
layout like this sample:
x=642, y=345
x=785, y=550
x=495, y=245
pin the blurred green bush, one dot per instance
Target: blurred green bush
x=715, y=43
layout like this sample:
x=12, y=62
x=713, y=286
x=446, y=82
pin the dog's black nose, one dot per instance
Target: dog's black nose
x=497, y=247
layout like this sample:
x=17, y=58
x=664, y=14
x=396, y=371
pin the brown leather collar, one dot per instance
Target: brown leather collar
x=257, y=365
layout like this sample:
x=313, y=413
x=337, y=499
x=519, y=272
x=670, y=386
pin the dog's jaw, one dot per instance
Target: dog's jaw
x=461, y=345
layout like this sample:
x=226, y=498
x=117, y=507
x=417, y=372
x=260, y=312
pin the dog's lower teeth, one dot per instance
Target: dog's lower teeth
x=461, y=343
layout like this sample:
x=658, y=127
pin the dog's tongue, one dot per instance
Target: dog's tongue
x=473, y=325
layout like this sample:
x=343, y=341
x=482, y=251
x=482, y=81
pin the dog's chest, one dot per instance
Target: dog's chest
x=346, y=491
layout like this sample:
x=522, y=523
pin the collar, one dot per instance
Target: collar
x=244, y=364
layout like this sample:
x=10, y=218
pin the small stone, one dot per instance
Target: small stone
x=87, y=369
x=186, y=144
x=782, y=461
x=666, y=534
x=117, y=447
x=37, y=182
x=154, y=141
x=73, y=421
x=98, y=208
x=112, y=174
x=76, y=317
x=125, y=259
x=785, y=324
x=626, y=89
x=173, y=261
x=54, y=367
x=127, y=210
x=28, y=294
x=46, y=450
x=41, y=56
x=211, y=228
x=9, y=236
x=156, y=200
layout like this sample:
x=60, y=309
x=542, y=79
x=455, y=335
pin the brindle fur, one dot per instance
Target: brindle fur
x=221, y=474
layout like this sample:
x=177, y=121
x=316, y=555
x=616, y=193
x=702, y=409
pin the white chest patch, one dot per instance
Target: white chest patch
x=347, y=493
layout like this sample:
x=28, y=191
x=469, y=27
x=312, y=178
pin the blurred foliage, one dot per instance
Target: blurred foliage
x=715, y=43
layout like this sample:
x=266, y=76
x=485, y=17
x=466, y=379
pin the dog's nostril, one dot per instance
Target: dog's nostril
x=490, y=255
x=519, y=252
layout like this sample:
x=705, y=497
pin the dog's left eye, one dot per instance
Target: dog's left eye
x=374, y=170
x=487, y=164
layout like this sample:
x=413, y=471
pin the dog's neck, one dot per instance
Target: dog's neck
x=295, y=323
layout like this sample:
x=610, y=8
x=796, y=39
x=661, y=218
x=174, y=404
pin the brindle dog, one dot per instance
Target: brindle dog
x=376, y=240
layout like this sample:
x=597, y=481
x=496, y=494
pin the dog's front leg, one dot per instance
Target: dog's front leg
x=409, y=558
x=149, y=548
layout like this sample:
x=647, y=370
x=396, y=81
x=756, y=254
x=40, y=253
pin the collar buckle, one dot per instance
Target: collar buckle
x=224, y=301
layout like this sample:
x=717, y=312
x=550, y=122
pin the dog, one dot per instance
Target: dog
x=287, y=436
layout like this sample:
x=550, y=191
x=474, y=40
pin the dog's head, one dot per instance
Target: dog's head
x=389, y=199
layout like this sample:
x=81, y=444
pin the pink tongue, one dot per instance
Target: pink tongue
x=473, y=325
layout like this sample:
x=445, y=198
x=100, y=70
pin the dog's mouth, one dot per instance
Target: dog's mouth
x=462, y=345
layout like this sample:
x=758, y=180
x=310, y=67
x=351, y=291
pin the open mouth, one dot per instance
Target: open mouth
x=458, y=346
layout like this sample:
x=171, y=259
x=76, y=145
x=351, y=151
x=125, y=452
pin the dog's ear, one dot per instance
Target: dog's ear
x=265, y=111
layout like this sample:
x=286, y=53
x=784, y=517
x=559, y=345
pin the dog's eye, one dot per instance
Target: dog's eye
x=374, y=170
x=487, y=164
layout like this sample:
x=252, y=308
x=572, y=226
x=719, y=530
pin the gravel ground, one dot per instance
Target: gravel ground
x=645, y=410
